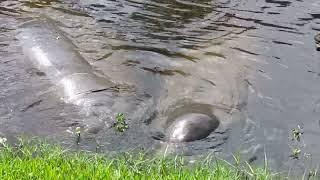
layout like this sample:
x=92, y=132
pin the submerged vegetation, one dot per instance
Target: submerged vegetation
x=120, y=124
x=297, y=133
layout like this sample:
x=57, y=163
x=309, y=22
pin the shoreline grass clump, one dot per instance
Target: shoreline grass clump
x=40, y=160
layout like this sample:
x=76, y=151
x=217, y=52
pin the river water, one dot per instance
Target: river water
x=254, y=62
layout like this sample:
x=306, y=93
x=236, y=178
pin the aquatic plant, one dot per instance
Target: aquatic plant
x=312, y=173
x=297, y=133
x=295, y=153
x=121, y=124
x=78, y=134
x=3, y=141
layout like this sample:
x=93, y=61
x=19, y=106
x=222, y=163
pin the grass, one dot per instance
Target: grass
x=35, y=159
x=40, y=160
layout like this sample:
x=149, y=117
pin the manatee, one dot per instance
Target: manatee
x=191, y=127
x=76, y=82
x=73, y=78
x=53, y=53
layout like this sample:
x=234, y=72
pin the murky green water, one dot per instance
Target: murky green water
x=253, y=63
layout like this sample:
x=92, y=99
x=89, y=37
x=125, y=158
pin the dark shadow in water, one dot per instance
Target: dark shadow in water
x=40, y=3
x=153, y=49
x=315, y=16
x=8, y=12
x=173, y=14
x=280, y=3
x=259, y=21
x=71, y=12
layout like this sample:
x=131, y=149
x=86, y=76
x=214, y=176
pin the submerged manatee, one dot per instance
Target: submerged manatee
x=54, y=54
x=51, y=52
x=191, y=127
x=74, y=79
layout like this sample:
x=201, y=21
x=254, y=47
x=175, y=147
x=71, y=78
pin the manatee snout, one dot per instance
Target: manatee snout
x=191, y=127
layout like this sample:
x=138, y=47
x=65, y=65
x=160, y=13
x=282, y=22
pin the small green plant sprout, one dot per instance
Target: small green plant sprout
x=295, y=153
x=3, y=141
x=75, y=132
x=312, y=173
x=297, y=133
x=78, y=133
x=121, y=124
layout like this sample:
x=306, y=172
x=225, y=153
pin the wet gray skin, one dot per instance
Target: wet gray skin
x=74, y=79
x=52, y=53
x=191, y=127
x=76, y=82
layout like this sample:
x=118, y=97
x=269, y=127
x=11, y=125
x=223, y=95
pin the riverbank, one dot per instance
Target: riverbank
x=40, y=160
